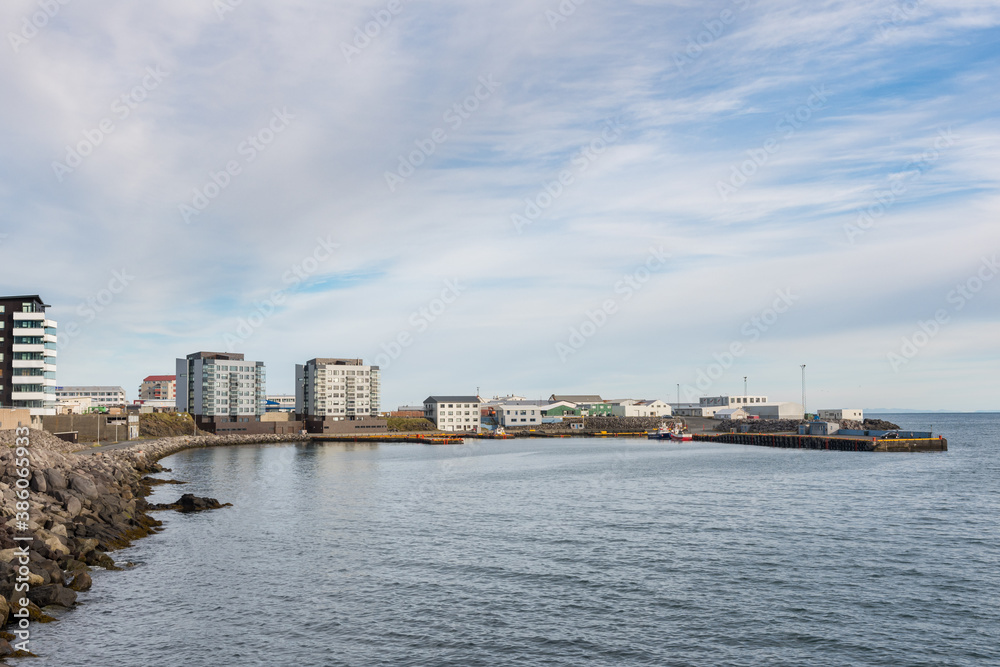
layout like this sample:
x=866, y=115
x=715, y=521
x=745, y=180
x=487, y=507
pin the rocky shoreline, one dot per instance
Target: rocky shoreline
x=83, y=505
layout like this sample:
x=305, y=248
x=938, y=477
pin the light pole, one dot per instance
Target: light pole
x=803, y=388
x=678, y=394
x=744, y=390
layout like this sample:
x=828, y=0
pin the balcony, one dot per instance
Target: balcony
x=29, y=363
x=22, y=396
x=29, y=316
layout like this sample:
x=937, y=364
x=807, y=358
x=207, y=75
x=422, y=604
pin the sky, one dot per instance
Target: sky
x=638, y=199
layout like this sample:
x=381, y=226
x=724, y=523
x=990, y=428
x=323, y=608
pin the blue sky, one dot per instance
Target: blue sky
x=525, y=197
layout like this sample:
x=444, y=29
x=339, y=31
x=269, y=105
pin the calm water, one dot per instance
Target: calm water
x=571, y=552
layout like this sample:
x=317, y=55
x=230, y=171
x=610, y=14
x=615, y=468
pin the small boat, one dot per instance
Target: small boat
x=667, y=432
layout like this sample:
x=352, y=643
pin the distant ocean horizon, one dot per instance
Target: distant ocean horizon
x=560, y=552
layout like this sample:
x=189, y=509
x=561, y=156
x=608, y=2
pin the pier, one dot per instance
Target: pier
x=840, y=444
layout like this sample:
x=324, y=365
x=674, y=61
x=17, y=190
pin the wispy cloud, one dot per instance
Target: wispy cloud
x=896, y=78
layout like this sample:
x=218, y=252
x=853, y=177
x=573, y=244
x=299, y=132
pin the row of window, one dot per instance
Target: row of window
x=354, y=373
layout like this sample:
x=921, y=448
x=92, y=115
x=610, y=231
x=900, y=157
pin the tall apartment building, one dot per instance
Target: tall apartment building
x=337, y=389
x=218, y=387
x=158, y=388
x=27, y=355
x=106, y=397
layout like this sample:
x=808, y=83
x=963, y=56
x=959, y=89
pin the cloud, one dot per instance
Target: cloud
x=893, y=80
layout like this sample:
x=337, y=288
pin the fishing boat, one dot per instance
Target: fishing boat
x=670, y=432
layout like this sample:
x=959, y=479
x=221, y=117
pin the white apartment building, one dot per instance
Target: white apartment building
x=27, y=355
x=521, y=413
x=100, y=397
x=221, y=385
x=337, y=389
x=454, y=413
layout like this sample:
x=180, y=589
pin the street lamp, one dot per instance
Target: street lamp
x=803, y=388
x=744, y=390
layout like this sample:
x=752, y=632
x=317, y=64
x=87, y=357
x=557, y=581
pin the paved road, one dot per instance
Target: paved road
x=104, y=448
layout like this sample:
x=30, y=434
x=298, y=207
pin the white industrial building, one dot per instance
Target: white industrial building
x=640, y=408
x=453, y=413
x=337, y=389
x=777, y=411
x=731, y=414
x=730, y=401
x=842, y=415
x=101, y=397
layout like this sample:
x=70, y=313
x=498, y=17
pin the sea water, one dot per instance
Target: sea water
x=560, y=552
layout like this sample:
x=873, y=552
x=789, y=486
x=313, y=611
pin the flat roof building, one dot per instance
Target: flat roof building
x=454, y=413
x=337, y=389
x=27, y=355
x=100, y=396
x=158, y=388
x=220, y=386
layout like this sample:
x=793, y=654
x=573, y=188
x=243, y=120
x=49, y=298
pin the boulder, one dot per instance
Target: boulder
x=73, y=505
x=85, y=545
x=5, y=648
x=74, y=565
x=81, y=582
x=53, y=594
x=84, y=485
x=55, y=478
x=37, y=482
x=191, y=503
x=4, y=612
x=56, y=546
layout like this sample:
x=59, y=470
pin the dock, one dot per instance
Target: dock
x=834, y=443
